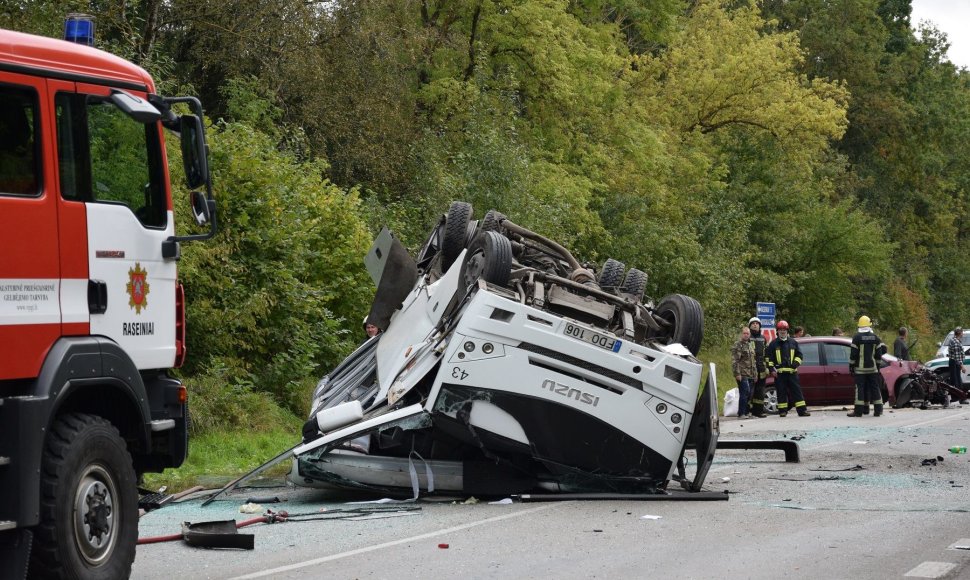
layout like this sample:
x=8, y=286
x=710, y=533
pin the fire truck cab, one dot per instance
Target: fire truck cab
x=91, y=309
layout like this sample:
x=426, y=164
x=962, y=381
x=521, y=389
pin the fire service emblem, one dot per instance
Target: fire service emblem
x=137, y=288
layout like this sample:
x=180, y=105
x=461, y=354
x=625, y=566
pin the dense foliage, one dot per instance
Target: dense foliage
x=806, y=152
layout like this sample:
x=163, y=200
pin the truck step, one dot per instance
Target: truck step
x=7, y=525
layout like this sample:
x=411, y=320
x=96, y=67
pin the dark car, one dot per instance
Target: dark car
x=824, y=373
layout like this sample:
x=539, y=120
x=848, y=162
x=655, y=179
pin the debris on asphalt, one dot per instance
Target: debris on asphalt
x=222, y=534
x=506, y=501
x=650, y=517
x=931, y=461
x=250, y=508
x=854, y=468
x=383, y=500
x=813, y=478
x=152, y=500
x=443, y=546
x=797, y=437
x=262, y=500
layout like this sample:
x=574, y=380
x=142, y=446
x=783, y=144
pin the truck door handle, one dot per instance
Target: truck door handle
x=97, y=296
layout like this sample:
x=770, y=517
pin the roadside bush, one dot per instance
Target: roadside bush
x=217, y=403
x=271, y=298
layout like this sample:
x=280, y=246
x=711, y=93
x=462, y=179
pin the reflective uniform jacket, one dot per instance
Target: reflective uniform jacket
x=783, y=356
x=759, y=352
x=867, y=350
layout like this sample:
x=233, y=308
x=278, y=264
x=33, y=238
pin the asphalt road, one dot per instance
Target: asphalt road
x=860, y=505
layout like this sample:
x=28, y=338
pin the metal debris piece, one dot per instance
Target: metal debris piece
x=815, y=478
x=222, y=534
x=855, y=468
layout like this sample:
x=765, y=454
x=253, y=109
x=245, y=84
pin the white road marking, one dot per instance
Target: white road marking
x=434, y=534
x=961, y=544
x=937, y=420
x=931, y=570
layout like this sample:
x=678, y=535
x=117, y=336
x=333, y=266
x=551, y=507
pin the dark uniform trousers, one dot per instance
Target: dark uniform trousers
x=784, y=357
x=757, y=403
x=864, y=355
x=789, y=391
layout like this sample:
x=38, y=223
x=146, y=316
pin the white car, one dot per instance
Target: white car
x=941, y=352
x=506, y=366
x=941, y=366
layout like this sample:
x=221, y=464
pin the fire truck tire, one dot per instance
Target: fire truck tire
x=904, y=392
x=488, y=258
x=611, y=276
x=686, y=318
x=89, y=503
x=456, y=228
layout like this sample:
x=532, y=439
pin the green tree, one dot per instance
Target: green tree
x=275, y=293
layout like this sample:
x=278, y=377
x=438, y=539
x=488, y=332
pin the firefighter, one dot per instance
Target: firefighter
x=757, y=404
x=867, y=350
x=782, y=358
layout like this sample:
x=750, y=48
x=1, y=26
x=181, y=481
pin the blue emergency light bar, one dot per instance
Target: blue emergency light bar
x=79, y=28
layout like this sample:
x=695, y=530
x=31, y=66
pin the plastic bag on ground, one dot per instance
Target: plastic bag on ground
x=731, y=402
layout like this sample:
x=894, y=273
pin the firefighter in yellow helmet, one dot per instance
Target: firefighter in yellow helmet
x=867, y=350
x=783, y=356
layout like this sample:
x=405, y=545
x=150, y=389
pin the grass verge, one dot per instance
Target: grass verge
x=219, y=457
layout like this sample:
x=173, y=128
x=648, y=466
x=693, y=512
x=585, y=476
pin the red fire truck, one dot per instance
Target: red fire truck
x=91, y=309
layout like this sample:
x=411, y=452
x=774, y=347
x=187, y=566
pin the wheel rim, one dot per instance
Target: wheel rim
x=771, y=401
x=94, y=515
x=474, y=267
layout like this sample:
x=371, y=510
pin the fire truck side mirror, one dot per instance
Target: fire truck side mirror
x=193, y=152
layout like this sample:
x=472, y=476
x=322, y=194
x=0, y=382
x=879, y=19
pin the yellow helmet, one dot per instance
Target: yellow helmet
x=864, y=321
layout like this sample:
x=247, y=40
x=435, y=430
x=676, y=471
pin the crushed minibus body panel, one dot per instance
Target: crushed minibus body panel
x=482, y=384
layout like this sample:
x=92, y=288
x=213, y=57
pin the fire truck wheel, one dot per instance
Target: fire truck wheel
x=489, y=258
x=89, y=503
x=612, y=273
x=456, y=228
x=686, y=319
